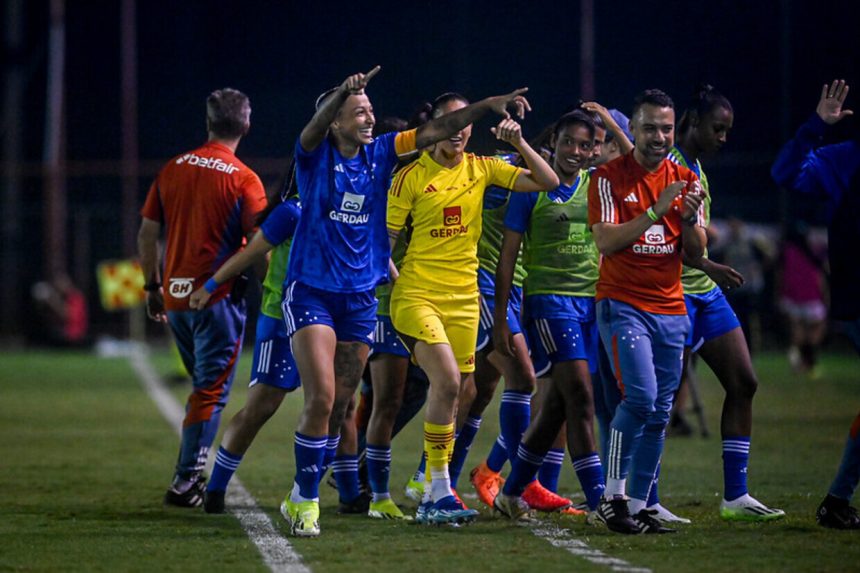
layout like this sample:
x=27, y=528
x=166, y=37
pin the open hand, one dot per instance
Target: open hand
x=832, y=99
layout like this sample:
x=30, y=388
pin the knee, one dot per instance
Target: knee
x=258, y=414
x=319, y=405
x=446, y=388
x=640, y=407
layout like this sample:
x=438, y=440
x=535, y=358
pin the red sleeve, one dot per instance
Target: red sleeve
x=253, y=201
x=601, y=201
x=152, y=207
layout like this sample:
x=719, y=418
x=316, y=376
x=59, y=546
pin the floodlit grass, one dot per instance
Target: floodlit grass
x=86, y=457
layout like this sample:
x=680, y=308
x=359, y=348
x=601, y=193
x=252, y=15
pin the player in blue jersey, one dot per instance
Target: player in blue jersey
x=832, y=173
x=339, y=255
x=715, y=333
x=274, y=371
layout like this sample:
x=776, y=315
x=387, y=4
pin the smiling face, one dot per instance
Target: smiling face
x=713, y=128
x=573, y=150
x=456, y=144
x=653, y=129
x=354, y=122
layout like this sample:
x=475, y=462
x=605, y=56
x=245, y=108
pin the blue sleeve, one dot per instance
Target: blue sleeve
x=495, y=197
x=281, y=223
x=520, y=211
x=798, y=165
x=307, y=157
x=384, y=154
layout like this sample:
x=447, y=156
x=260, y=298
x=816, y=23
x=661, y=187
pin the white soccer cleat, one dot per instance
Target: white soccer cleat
x=748, y=508
x=665, y=516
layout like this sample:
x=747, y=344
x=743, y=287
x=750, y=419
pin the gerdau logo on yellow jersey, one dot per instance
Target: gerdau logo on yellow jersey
x=452, y=218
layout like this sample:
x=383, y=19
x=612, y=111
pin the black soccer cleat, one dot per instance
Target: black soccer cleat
x=616, y=515
x=836, y=513
x=649, y=524
x=192, y=497
x=359, y=505
x=213, y=501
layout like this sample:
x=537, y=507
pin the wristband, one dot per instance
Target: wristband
x=152, y=286
x=210, y=285
x=651, y=214
x=691, y=220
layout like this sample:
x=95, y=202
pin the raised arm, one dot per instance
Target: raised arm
x=539, y=176
x=253, y=253
x=795, y=166
x=625, y=146
x=447, y=125
x=502, y=338
x=315, y=131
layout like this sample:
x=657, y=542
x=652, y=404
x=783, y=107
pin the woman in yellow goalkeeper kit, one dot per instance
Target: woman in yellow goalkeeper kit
x=434, y=302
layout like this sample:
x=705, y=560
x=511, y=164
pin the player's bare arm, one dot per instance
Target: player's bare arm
x=502, y=337
x=315, y=131
x=447, y=125
x=539, y=176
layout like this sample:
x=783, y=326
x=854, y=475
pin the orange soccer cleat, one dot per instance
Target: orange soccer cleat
x=487, y=483
x=540, y=498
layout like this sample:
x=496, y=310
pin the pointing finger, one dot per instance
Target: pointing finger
x=371, y=73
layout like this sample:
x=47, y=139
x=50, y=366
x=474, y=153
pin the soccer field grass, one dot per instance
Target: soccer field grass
x=86, y=456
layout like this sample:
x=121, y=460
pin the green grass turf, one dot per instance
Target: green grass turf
x=86, y=457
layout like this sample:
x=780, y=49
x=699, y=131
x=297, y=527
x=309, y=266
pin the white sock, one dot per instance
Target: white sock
x=636, y=505
x=381, y=496
x=614, y=487
x=440, y=485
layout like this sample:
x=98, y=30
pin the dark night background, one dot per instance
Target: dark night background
x=769, y=58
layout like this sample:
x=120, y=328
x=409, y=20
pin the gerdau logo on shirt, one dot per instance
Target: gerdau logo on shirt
x=350, y=210
x=452, y=218
x=655, y=242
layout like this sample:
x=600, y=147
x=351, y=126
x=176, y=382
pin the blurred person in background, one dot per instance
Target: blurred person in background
x=832, y=173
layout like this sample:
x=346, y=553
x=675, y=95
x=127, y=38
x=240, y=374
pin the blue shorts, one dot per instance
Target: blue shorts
x=487, y=287
x=352, y=316
x=273, y=363
x=710, y=316
x=385, y=339
x=560, y=329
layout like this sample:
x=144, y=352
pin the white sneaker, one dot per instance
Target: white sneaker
x=665, y=516
x=748, y=508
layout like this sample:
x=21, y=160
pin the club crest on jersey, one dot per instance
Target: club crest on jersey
x=452, y=216
x=352, y=203
x=180, y=288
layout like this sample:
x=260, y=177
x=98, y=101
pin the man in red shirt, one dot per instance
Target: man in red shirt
x=207, y=201
x=644, y=211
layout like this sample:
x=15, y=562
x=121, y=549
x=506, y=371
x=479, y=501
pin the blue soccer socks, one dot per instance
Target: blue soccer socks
x=309, y=460
x=461, y=447
x=736, y=456
x=225, y=466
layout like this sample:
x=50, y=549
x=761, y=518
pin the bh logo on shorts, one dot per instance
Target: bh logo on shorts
x=452, y=216
x=180, y=288
x=655, y=235
x=352, y=203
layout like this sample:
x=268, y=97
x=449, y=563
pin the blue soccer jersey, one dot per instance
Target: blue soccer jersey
x=341, y=243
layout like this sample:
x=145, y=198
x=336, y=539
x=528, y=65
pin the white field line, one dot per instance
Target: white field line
x=278, y=554
x=562, y=538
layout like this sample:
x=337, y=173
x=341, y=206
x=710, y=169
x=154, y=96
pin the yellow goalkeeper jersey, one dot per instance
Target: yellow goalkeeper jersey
x=445, y=205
